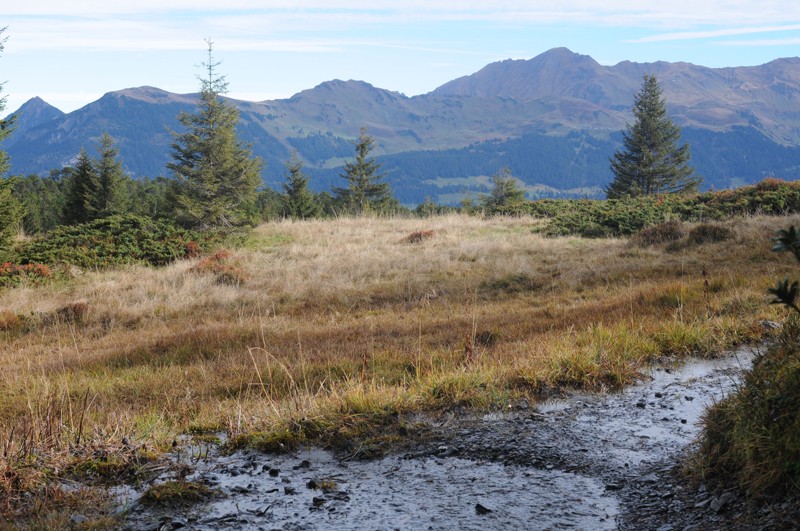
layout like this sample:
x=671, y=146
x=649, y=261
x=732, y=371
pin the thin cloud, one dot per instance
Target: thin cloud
x=763, y=42
x=711, y=34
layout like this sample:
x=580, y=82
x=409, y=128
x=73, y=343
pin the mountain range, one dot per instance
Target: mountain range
x=554, y=120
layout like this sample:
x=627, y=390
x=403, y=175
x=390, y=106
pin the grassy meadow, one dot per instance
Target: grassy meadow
x=335, y=331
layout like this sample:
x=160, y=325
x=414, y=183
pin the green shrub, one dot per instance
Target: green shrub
x=624, y=217
x=116, y=240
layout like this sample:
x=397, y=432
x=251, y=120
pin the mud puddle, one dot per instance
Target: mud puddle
x=576, y=463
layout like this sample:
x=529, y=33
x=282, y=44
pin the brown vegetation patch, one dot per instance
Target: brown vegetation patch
x=669, y=231
x=710, y=233
x=419, y=236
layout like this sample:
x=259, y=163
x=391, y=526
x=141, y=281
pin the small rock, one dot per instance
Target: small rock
x=648, y=478
x=289, y=490
x=318, y=500
x=701, y=504
x=312, y=484
x=179, y=522
x=721, y=503
x=641, y=404
x=481, y=509
x=666, y=527
x=304, y=464
x=273, y=472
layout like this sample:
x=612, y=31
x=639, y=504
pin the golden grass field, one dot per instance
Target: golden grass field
x=322, y=330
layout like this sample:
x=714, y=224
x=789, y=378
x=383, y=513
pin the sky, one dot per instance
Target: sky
x=70, y=53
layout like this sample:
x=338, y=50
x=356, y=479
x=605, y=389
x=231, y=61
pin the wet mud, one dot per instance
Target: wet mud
x=587, y=461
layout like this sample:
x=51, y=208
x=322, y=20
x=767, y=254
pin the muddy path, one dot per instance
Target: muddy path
x=582, y=462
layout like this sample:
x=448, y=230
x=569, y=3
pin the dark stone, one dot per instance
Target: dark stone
x=481, y=510
x=179, y=522
x=289, y=490
x=304, y=464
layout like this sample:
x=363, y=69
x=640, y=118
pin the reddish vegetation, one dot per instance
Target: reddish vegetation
x=419, y=236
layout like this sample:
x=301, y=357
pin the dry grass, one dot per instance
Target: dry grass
x=333, y=327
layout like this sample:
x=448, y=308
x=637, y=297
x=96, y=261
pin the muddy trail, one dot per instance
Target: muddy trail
x=586, y=461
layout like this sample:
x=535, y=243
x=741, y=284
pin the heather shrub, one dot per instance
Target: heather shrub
x=28, y=274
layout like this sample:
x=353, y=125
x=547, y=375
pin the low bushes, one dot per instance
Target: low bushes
x=624, y=217
x=112, y=241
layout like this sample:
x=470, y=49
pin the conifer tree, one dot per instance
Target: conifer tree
x=95, y=188
x=215, y=174
x=109, y=192
x=505, y=196
x=651, y=161
x=80, y=195
x=11, y=210
x=298, y=201
x=364, y=193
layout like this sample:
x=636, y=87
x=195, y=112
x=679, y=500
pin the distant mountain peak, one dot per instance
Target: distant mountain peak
x=150, y=94
x=36, y=111
x=557, y=72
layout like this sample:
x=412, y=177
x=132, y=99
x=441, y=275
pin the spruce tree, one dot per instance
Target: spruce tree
x=11, y=210
x=651, y=162
x=505, y=196
x=81, y=192
x=298, y=201
x=215, y=174
x=364, y=193
x=109, y=194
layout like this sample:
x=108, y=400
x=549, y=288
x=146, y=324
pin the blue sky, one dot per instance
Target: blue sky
x=71, y=53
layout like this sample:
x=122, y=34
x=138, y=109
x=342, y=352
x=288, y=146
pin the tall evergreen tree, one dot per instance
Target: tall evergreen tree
x=11, y=210
x=298, y=201
x=216, y=175
x=109, y=189
x=81, y=193
x=364, y=193
x=651, y=161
